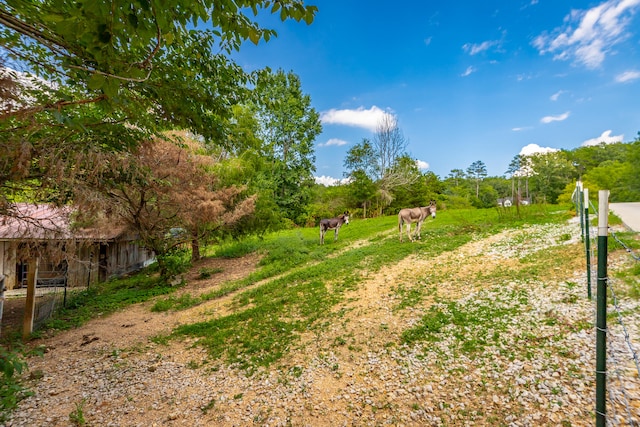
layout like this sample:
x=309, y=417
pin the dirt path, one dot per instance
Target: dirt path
x=109, y=373
x=135, y=325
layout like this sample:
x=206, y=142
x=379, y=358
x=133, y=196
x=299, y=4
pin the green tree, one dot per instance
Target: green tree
x=413, y=191
x=103, y=76
x=361, y=157
x=498, y=185
x=247, y=165
x=382, y=163
x=589, y=157
x=633, y=159
x=614, y=176
x=477, y=171
x=435, y=186
x=456, y=190
x=288, y=127
x=488, y=196
x=551, y=173
x=361, y=167
x=329, y=201
x=457, y=176
x=515, y=172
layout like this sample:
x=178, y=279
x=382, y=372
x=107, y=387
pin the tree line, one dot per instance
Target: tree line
x=382, y=178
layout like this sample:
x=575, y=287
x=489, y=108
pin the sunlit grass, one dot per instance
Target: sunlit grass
x=308, y=279
x=299, y=281
x=107, y=297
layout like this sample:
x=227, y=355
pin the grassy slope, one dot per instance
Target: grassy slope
x=310, y=279
x=301, y=280
x=300, y=284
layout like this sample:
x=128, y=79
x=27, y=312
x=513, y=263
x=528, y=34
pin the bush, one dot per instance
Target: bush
x=174, y=263
x=236, y=249
x=11, y=391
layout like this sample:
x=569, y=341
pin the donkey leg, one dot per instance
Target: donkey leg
x=418, y=229
x=321, y=236
x=335, y=234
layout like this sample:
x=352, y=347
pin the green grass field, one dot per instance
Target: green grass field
x=302, y=289
x=302, y=280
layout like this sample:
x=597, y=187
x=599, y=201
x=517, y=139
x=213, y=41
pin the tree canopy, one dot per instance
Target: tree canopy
x=287, y=127
x=87, y=77
x=170, y=196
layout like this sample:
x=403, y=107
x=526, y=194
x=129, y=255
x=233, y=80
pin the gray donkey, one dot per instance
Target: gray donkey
x=408, y=215
x=333, y=224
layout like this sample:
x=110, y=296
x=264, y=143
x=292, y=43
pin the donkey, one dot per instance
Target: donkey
x=333, y=224
x=408, y=215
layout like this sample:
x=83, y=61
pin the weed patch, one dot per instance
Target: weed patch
x=470, y=324
x=206, y=273
x=77, y=415
x=105, y=298
x=182, y=302
x=12, y=391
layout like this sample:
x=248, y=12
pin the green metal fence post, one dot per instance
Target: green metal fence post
x=587, y=241
x=601, y=309
x=579, y=196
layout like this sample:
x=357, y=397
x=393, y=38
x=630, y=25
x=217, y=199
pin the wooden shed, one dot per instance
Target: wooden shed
x=77, y=256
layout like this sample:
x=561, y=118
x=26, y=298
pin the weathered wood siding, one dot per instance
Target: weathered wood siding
x=92, y=263
x=123, y=257
x=8, y=263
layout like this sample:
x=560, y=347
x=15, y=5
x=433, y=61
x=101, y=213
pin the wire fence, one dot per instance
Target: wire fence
x=622, y=360
x=52, y=292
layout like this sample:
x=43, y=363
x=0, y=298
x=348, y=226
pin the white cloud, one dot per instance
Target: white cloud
x=422, y=164
x=334, y=141
x=427, y=41
x=468, y=71
x=558, y=118
x=326, y=180
x=474, y=49
x=589, y=35
x=367, y=119
x=556, y=95
x=329, y=181
x=627, y=76
x=532, y=3
x=23, y=83
x=520, y=129
x=605, y=137
x=531, y=149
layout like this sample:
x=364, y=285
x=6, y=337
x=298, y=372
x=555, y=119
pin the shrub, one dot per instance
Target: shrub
x=11, y=390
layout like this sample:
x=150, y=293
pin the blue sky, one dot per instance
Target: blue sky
x=466, y=81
